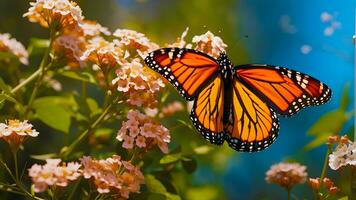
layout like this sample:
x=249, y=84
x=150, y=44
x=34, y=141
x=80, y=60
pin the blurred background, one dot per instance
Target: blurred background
x=314, y=37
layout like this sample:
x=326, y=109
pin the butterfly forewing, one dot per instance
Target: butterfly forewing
x=286, y=91
x=186, y=69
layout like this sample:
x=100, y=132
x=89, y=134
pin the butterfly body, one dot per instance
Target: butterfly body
x=237, y=104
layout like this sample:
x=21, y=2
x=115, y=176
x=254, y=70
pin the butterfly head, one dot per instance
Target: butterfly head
x=225, y=65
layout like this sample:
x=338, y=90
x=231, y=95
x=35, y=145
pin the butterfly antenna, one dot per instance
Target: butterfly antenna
x=238, y=41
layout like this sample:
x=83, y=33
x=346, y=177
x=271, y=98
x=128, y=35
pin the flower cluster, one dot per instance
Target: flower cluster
x=11, y=45
x=344, y=154
x=209, y=43
x=113, y=174
x=15, y=132
x=315, y=184
x=138, y=83
x=104, y=53
x=143, y=132
x=53, y=174
x=286, y=175
x=171, y=108
x=72, y=44
x=134, y=41
x=59, y=13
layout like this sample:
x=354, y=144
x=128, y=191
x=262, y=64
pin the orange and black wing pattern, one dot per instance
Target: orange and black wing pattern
x=253, y=125
x=208, y=109
x=286, y=91
x=186, y=69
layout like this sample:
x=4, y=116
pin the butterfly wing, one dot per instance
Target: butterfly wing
x=207, y=111
x=186, y=69
x=286, y=91
x=253, y=125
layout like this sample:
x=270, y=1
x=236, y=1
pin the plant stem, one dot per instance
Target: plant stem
x=42, y=70
x=18, y=183
x=25, y=82
x=14, y=153
x=352, y=182
x=71, y=147
x=326, y=161
x=289, y=194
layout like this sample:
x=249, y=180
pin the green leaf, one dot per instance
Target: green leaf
x=331, y=122
x=186, y=124
x=156, y=196
x=205, y=192
x=57, y=100
x=203, y=149
x=170, y=196
x=189, y=165
x=55, y=116
x=318, y=141
x=344, y=198
x=37, y=46
x=81, y=76
x=103, y=132
x=8, y=98
x=345, y=99
x=4, y=87
x=170, y=158
x=154, y=185
x=7, y=56
x=43, y=156
x=93, y=107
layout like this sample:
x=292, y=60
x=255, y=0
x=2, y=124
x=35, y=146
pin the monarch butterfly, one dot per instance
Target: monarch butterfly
x=236, y=104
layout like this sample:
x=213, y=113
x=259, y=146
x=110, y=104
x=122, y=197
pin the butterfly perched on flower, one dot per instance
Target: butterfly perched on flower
x=237, y=104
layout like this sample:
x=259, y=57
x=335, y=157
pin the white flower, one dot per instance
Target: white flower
x=344, y=154
x=209, y=43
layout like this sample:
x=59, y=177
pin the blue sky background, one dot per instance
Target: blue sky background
x=330, y=60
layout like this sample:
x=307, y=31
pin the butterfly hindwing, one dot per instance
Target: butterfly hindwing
x=186, y=69
x=287, y=91
x=253, y=125
x=207, y=111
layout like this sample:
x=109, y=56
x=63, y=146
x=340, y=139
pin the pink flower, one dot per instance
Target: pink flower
x=128, y=142
x=134, y=41
x=103, y=53
x=286, y=175
x=113, y=174
x=144, y=132
x=138, y=84
x=52, y=174
x=171, y=108
x=11, y=45
x=140, y=141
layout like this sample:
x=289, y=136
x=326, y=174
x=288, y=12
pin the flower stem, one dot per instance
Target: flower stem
x=352, y=181
x=66, y=151
x=45, y=63
x=18, y=183
x=326, y=161
x=14, y=153
x=25, y=82
x=289, y=194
